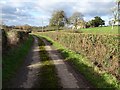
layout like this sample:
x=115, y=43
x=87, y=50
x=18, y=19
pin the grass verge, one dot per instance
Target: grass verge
x=12, y=61
x=99, y=79
x=48, y=76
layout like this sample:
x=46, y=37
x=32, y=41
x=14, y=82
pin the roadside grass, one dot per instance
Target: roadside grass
x=48, y=76
x=99, y=79
x=12, y=61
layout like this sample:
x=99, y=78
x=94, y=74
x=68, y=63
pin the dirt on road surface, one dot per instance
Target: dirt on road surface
x=69, y=77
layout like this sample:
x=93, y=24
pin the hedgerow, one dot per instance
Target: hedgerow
x=101, y=50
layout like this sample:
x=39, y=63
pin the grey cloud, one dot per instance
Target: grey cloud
x=28, y=11
x=99, y=8
x=93, y=9
x=10, y=13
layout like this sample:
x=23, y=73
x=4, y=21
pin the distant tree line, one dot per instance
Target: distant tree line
x=20, y=27
x=97, y=21
x=60, y=19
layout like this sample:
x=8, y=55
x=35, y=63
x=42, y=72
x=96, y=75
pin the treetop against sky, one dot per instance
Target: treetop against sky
x=32, y=12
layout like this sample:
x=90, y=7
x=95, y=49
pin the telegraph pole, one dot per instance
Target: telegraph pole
x=42, y=24
x=118, y=12
x=118, y=9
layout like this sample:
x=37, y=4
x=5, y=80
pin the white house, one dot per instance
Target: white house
x=117, y=23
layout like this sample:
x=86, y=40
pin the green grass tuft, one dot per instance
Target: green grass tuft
x=48, y=76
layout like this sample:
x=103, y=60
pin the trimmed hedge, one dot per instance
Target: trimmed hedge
x=12, y=38
x=4, y=40
x=102, y=50
x=15, y=37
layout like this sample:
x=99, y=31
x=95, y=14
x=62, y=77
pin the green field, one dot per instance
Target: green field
x=102, y=30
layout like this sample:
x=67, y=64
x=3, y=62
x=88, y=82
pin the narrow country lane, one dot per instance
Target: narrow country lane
x=27, y=76
x=68, y=76
x=60, y=44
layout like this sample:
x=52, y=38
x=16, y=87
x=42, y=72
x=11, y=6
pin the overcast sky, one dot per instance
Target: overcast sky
x=32, y=12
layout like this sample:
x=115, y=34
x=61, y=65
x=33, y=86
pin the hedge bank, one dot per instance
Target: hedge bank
x=101, y=50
